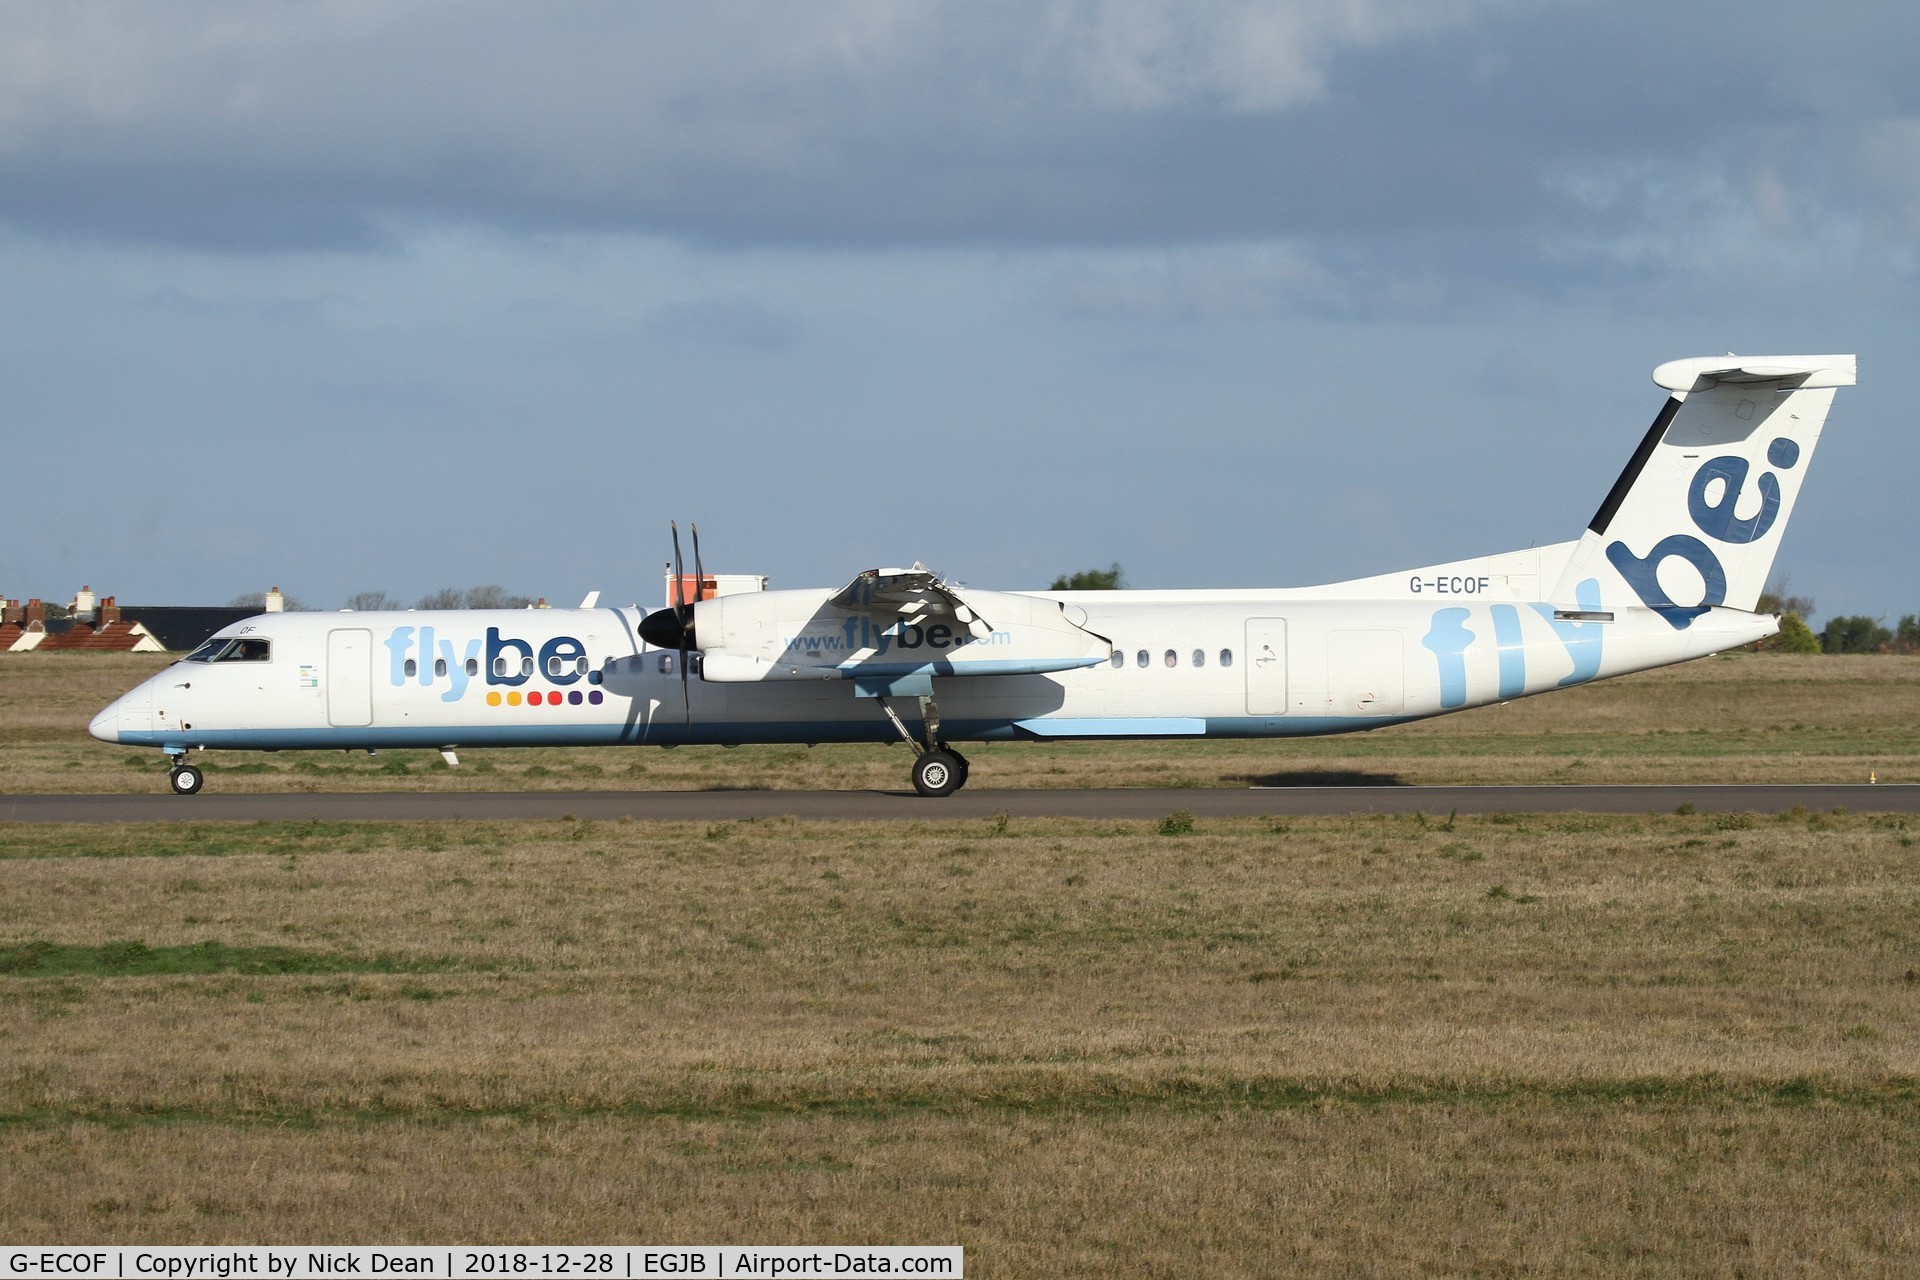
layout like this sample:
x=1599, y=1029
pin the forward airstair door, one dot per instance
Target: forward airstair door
x=349, y=678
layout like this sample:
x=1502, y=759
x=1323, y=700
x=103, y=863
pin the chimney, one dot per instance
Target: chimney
x=109, y=611
x=85, y=603
x=11, y=614
x=542, y=603
x=276, y=603
x=36, y=611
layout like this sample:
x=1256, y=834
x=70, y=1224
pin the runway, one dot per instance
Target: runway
x=897, y=806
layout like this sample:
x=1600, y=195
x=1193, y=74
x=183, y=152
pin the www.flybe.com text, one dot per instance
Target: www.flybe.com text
x=859, y=633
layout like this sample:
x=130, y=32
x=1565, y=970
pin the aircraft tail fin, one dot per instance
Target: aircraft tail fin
x=1696, y=518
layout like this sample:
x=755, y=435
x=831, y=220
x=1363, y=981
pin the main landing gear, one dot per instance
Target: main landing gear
x=185, y=779
x=938, y=770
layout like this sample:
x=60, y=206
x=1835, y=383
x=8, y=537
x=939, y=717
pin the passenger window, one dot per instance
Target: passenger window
x=1119, y=659
x=440, y=667
x=1142, y=659
x=555, y=666
x=580, y=665
x=473, y=666
x=412, y=668
x=526, y=666
x=1226, y=657
x=666, y=664
x=1173, y=659
x=500, y=666
x=1199, y=657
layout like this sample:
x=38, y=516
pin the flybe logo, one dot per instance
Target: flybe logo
x=418, y=655
x=859, y=633
x=1712, y=498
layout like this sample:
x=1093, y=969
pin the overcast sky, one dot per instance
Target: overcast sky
x=402, y=294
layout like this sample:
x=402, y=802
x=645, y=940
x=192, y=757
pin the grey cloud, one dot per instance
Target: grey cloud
x=851, y=122
x=732, y=322
x=1597, y=139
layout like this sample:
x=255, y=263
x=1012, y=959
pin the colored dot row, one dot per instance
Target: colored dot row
x=553, y=698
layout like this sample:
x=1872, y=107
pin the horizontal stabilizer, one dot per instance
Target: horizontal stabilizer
x=1809, y=372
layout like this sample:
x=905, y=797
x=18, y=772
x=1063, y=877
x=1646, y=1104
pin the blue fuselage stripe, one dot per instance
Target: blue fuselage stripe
x=674, y=733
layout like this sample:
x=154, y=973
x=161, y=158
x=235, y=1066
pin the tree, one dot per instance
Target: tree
x=1795, y=636
x=258, y=600
x=1857, y=634
x=1091, y=580
x=494, y=596
x=1775, y=599
x=371, y=602
x=491, y=596
x=1906, y=637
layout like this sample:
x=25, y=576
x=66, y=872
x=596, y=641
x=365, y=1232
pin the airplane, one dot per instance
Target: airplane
x=1670, y=568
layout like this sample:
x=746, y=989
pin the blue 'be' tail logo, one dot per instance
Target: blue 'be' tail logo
x=1717, y=521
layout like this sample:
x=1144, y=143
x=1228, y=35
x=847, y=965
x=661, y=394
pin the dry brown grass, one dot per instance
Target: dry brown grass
x=1565, y=1045
x=1526, y=1189
x=1743, y=718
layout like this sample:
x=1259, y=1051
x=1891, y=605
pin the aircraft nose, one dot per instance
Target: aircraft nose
x=131, y=712
x=106, y=725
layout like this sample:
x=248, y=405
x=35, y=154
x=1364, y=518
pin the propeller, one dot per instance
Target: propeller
x=674, y=630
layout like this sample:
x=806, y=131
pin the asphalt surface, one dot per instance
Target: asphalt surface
x=719, y=806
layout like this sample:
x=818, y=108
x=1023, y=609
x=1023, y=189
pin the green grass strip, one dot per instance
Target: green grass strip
x=1896, y=1096
x=134, y=958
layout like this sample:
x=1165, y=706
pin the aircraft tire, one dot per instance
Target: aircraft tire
x=186, y=779
x=938, y=773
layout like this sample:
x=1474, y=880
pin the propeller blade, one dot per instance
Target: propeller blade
x=686, y=632
x=678, y=602
x=699, y=574
x=683, y=615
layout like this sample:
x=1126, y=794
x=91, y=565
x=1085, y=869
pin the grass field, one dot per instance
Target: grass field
x=1545, y=1045
x=1743, y=718
x=1566, y=1045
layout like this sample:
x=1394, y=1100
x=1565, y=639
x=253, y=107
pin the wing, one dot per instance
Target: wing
x=912, y=594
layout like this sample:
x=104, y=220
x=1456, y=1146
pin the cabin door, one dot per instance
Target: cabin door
x=1266, y=663
x=349, y=678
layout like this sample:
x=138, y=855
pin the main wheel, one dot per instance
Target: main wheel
x=938, y=773
x=186, y=779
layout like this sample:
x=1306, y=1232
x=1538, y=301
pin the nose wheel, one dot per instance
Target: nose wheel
x=185, y=779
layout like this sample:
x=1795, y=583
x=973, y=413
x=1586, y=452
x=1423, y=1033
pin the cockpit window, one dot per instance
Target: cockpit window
x=206, y=652
x=233, y=649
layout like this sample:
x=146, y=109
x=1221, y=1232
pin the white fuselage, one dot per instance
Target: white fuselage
x=1181, y=664
x=1669, y=568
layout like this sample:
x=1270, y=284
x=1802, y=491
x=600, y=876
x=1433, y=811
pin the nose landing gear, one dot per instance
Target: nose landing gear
x=185, y=779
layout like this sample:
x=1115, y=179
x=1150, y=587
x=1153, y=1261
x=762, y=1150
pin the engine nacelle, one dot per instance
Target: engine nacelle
x=804, y=635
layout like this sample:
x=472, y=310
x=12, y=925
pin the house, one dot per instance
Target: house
x=101, y=625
